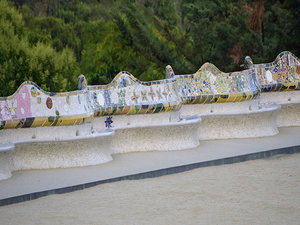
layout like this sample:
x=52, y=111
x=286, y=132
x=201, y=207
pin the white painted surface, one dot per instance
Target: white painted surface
x=257, y=123
x=6, y=152
x=63, y=152
x=172, y=136
x=289, y=114
x=11, y=135
x=213, y=108
x=280, y=97
x=123, y=121
x=151, y=132
x=53, y=147
x=234, y=120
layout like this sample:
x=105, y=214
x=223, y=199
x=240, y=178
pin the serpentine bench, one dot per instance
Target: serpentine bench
x=144, y=115
x=280, y=83
x=49, y=130
x=226, y=102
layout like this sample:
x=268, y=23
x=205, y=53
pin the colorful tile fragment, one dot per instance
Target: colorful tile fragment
x=30, y=106
x=108, y=122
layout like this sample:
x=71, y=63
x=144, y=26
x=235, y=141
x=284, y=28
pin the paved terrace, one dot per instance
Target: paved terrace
x=31, y=184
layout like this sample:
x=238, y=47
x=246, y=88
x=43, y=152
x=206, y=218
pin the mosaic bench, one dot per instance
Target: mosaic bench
x=280, y=83
x=144, y=115
x=226, y=102
x=50, y=130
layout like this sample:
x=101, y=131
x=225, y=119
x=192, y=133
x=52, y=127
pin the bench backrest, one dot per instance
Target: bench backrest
x=30, y=106
x=210, y=85
x=283, y=74
x=127, y=95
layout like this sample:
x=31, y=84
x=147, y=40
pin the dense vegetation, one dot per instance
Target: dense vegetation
x=52, y=41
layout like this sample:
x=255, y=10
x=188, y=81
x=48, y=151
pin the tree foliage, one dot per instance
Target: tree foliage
x=21, y=60
x=52, y=41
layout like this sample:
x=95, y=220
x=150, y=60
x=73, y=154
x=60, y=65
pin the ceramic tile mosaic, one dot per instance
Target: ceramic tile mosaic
x=283, y=74
x=30, y=106
x=210, y=85
x=127, y=95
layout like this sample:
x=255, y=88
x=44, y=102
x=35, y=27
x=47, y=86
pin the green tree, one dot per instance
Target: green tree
x=20, y=61
x=140, y=36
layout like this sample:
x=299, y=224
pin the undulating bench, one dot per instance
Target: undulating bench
x=280, y=84
x=144, y=115
x=226, y=102
x=50, y=130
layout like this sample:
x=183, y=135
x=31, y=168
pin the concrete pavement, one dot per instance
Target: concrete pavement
x=30, y=184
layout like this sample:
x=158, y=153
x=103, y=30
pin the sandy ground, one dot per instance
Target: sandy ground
x=254, y=192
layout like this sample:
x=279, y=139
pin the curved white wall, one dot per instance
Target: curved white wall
x=11, y=135
x=65, y=152
x=213, y=108
x=234, y=119
x=123, y=121
x=6, y=154
x=289, y=114
x=151, y=132
x=53, y=147
x=164, y=137
x=280, y=97
x=258, y=123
